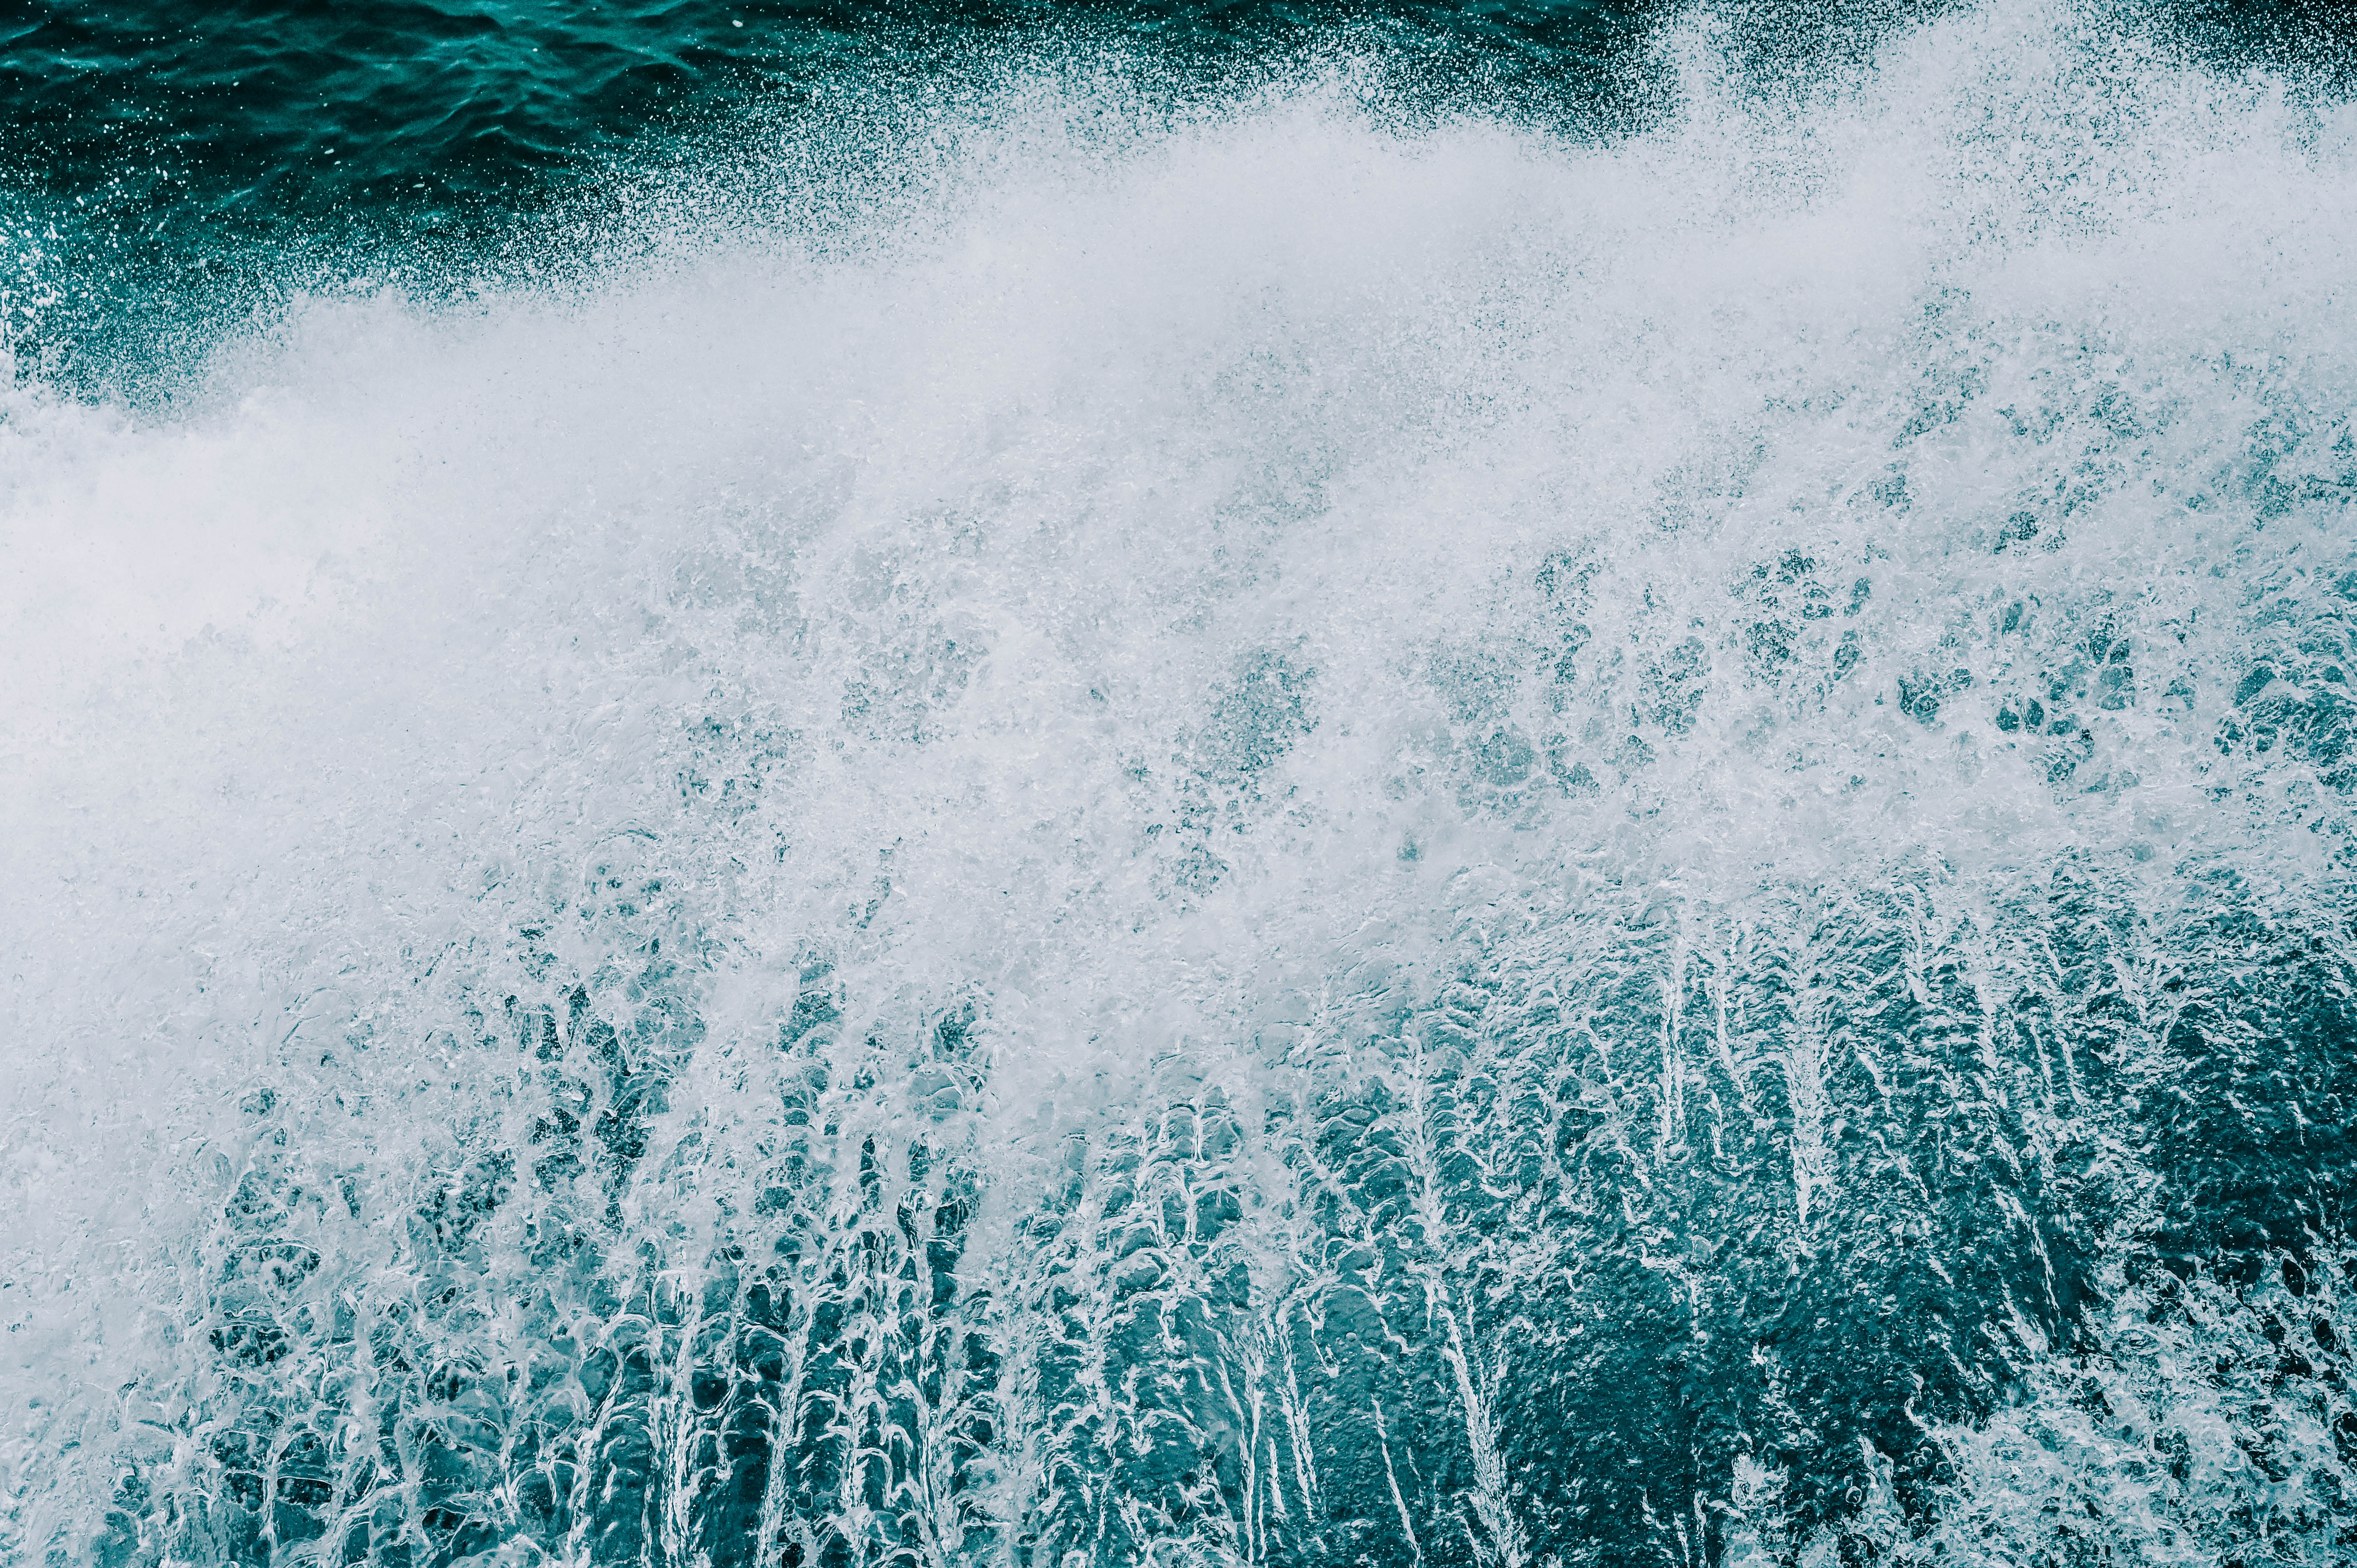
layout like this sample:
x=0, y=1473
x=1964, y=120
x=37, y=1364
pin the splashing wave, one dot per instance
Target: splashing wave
x=1276, y=833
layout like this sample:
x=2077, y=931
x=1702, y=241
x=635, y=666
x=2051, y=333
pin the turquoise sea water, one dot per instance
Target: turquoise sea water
x=1509, y=786
x=157, y=162
x=174, y=161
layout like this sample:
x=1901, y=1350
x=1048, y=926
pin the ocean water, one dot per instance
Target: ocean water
x=1540, y=788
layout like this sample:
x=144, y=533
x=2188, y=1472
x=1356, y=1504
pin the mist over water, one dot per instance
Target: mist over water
x=1109, y=823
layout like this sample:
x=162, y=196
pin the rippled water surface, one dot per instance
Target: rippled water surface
x=1541, y=788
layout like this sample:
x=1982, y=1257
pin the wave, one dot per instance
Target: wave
x=1245, y=831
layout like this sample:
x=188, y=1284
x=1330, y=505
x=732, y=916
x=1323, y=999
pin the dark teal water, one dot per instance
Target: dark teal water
x=283, y=110
x=1508, y=786
x=168, y=164
x=275, y=113
x=156, y=167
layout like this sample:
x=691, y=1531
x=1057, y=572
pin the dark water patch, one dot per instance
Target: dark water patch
x=164, y=181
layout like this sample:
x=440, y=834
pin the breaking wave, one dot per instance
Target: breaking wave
x=1276, y=831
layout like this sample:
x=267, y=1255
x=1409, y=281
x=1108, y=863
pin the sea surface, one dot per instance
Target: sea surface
x=1509, y=786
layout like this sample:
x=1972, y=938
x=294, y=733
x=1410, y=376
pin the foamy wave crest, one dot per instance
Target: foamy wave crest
x=1275, y=832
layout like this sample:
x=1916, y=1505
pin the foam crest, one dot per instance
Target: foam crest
x=1120, y=613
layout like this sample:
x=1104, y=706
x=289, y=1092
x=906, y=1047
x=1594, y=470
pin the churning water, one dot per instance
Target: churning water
x=1085, y=821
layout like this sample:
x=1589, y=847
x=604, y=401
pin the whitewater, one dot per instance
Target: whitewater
x=1103, y=822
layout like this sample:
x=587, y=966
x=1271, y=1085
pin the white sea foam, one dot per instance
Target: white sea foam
x=1173, y=581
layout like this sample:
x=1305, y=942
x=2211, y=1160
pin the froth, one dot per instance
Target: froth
x=1169, y=567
